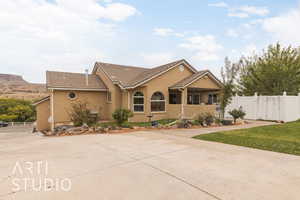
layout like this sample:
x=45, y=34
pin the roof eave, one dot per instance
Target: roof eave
x=77, y=89
x=41, y=100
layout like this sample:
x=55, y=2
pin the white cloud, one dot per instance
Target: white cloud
x=205, y=47
x=219, y=4
x=232, y=33
x=40, y=35
x=163, y=31
x=244, y=11
x=157, y=58
x=166, y=32
x=118, y=11
x=260, y=11
x=284, y=28
x=238, y=14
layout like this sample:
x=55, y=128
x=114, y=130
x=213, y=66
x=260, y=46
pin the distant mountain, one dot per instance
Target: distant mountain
x=14, y=86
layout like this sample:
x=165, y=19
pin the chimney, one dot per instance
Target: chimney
x=87, y=77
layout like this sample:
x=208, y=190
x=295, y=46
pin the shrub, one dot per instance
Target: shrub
x=218, y=121
x=209, y=119
x=201, y=119
x=122, y=115
x=237, y=113
x=80, y=115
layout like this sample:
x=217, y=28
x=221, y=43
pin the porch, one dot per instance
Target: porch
x=191, y=101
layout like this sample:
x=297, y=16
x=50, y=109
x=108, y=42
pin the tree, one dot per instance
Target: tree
x=275, y=71
x=228, y=74
x=16, y=110
x=23, y=112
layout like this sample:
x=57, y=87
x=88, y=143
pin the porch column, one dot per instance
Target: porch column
x=183, y=101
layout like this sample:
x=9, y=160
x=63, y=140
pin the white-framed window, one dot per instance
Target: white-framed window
x=138, y=102
x=193, y=99
x=108, y=96
x=212, y=99
x=158, y=102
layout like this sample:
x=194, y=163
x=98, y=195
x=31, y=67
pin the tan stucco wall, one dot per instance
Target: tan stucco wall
x=43, y=114
x=205, y=82
x=191, y=111
x=161, y=84
x=62, y=104
x=116, y=94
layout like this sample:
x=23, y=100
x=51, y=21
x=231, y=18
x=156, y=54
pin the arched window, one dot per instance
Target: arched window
x=138, y=102
x=158, y=102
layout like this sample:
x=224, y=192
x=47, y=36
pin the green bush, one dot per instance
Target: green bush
x=121, y=115
x=237, y=113
x=80, y=115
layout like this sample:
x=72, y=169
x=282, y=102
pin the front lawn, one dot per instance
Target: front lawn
x=284, y=138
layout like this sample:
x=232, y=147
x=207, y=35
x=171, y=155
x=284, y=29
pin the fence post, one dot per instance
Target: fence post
x=299, y=105
x=256, y=106
x=283, y=107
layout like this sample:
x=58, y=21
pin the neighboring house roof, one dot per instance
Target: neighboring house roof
x=74, y=81
x=194, y=77
x=41, y=100
x=131, y=77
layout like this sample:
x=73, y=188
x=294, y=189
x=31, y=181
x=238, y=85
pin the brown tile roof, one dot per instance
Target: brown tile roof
x=73, y=81
x=193, y=77
x=121, y=73
x=129, y=76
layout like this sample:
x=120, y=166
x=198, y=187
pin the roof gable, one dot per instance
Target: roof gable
x=193, y=78
x=131, y=77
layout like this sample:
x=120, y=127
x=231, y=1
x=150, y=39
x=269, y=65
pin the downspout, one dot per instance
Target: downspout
x=128, y=100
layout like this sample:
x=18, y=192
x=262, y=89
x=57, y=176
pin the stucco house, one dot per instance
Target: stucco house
x=172, y=90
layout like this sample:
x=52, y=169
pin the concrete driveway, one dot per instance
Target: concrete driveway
x=144, y=165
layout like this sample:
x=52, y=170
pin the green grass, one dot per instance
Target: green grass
x=140, y=124
x=284, y=138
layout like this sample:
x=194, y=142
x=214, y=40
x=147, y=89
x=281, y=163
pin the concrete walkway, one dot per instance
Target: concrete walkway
x=146, y=165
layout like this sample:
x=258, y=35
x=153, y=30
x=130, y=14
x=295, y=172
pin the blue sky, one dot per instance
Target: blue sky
x=70, y=35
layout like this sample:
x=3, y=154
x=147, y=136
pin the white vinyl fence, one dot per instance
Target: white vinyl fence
x=282, y=108
x=13, y=124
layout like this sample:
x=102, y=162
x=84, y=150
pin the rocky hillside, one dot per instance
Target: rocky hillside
x=14, y=86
